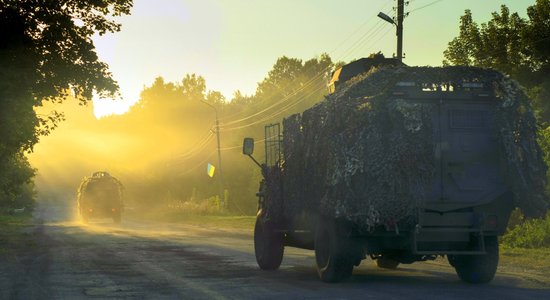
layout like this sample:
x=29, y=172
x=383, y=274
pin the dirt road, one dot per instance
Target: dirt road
x=136, y=260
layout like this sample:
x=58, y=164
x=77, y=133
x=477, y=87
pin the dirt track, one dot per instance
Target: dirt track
x=174, y=261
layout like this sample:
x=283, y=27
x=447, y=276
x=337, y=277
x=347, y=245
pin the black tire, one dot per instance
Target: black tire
x=477, y=268
x=333, y=252
x=268, y=245
x=386, y=263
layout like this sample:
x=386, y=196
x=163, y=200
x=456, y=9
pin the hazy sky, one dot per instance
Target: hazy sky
x=234, y=43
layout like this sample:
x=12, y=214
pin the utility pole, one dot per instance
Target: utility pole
x=220, y=181
x=399, y=25
x=399, y=32
x=222, y=191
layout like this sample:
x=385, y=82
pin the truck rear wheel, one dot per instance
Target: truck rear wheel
x=387, y=263
x=333, y=252
x=268, y=245
x=477, y=268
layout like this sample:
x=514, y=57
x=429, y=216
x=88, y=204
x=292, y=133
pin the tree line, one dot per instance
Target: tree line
x=160, y=148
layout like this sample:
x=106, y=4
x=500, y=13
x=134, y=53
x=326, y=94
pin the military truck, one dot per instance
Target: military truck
x=400, y=164
x=100, y=196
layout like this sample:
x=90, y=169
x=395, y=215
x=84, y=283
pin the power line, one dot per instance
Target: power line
x=276, y=113
x=383, y=7
x=424, y=6
x=188, y=171
x=319, y=74
x=284, y=99
x=364, y=38
x=370, y=34
x=383, y=34
x=198, y=148
x=359, y=43
x=273, y=114
x=240, y=146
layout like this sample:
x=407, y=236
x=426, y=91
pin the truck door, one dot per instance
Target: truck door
x=468, y=153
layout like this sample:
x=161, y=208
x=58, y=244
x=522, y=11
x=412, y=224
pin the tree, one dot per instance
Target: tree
x=282, y=78
x=47, y=54
x=496, y=44
x=510, y=44
x=194, y=87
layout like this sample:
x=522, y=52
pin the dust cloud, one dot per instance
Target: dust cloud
x=159, y=150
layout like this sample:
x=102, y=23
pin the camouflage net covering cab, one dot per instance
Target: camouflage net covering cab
x=368, y=157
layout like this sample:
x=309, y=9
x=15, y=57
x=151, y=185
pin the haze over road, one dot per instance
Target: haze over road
x=138, y=259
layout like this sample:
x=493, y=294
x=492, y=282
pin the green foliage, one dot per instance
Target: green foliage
x=544, y=142
x=16, y=187
x=533, y=233
x=54, y=39
x=496, y=44
x=510, y=44
x=46, y=53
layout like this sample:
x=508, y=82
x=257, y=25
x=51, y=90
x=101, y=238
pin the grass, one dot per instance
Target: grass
x=532, y=264
x=13, y=233
x=539, y=258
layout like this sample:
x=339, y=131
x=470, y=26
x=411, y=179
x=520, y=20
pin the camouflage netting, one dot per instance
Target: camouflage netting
x=369, y=158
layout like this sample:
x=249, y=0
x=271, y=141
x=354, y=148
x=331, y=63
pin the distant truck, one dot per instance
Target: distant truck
x=100, y=196
x=402, y=164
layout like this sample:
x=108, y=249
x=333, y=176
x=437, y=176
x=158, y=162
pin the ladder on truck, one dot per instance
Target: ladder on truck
x=273, y=144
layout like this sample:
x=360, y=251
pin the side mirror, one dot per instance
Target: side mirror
x=248, y=146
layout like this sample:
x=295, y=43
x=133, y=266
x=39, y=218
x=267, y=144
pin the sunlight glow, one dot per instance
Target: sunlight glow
x=106, y=107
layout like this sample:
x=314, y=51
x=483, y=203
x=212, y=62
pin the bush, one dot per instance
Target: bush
x=534, y=233
x=16, y=185
x=209, y=206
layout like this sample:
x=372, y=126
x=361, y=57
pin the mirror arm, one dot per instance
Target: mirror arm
x=255, y=161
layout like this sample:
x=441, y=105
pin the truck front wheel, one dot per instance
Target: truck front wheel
x=268, y=245
x=477, y=268
x=333, y=252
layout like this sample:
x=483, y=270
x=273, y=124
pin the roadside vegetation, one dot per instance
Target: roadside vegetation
x=13, y=233
x=530, y=234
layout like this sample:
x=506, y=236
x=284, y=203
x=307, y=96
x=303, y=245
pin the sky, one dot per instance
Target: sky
x=234, y=43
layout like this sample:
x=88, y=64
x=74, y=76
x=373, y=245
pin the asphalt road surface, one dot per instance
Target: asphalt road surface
x=146, y=260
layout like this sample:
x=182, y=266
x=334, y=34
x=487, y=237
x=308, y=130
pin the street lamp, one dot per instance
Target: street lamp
x=222, y=200
x=386, y=18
